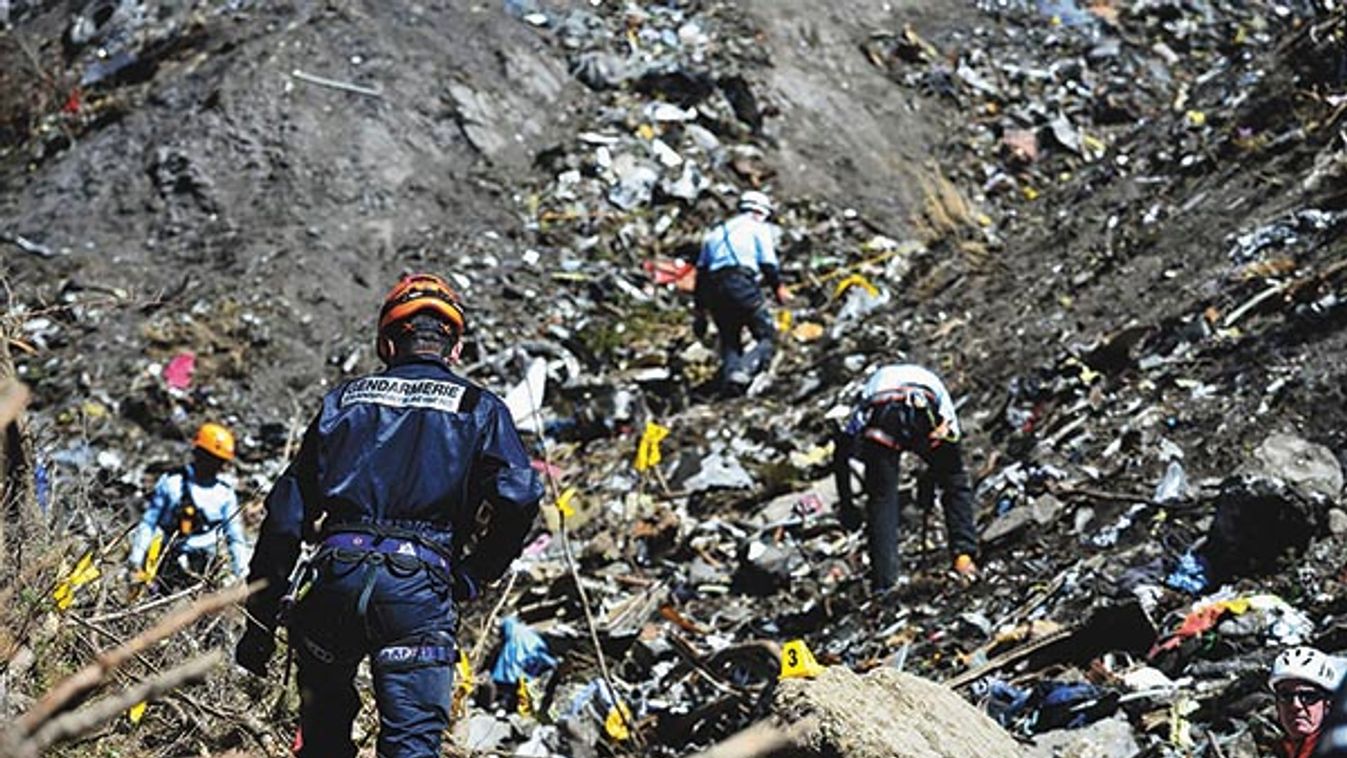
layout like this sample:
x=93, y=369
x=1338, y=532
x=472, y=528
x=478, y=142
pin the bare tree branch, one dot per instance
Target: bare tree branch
x=92, y=675
x=75, y=723
x=763, y=738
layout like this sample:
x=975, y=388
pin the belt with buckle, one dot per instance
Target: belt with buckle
x=373, y=543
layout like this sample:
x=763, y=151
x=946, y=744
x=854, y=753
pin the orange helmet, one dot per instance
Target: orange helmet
x=414, y=294
x=216, y=440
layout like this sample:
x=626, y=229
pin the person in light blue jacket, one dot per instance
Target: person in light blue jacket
x=192, y=506
x=735, y=253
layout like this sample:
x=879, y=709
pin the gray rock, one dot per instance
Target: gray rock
x=1337, y=522
x=477, y=116
x=599, y=70
x=1309, y=467
x=1043, y=510
x=718, y=471
x=887, y=713
x=1006, y=524
x=486, y=732
x=1109, y=738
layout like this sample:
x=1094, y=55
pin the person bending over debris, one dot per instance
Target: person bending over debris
x=904, y=407
x=190, y=506
x=734, y=253
x=1303, y=680
x=396, y=464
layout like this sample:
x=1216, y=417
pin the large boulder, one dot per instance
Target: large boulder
x=887, y=714
x=1111, y=738
x=1311, y=468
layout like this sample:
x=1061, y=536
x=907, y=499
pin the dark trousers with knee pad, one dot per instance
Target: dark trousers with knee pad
x=400, y=614
x=946, y=473
x=737, y=304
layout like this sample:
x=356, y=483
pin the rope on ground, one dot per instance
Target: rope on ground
x=574, y=569
x=485, y=632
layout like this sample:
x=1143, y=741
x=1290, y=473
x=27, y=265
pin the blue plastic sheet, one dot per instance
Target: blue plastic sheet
x=524, y=652
x=1190, y=575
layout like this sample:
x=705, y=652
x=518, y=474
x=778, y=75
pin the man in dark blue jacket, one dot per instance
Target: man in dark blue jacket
x=388, y=482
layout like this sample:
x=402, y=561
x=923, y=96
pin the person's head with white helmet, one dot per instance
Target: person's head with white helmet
x=756, y=202
x=1303, y=680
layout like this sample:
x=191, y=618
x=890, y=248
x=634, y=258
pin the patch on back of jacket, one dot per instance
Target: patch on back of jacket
x=405, y=393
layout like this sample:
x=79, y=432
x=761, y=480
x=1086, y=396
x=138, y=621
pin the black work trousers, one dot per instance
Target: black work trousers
x=736, y=303
x=947, y=474
x=400, y=615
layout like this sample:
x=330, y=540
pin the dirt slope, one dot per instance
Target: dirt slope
x=845, y=132
x=225, y=177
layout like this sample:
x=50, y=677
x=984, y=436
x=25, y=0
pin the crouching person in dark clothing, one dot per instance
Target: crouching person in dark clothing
x=396, y=466
x=904, y=407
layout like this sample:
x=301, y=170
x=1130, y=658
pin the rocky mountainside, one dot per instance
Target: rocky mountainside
x=1115, y=228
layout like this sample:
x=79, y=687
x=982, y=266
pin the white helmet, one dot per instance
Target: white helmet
x=1305, y=664
x=756, y=201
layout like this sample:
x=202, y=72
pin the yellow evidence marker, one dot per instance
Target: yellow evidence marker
x=797, y=662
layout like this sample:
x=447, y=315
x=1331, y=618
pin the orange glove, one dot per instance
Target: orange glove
x=965, y=567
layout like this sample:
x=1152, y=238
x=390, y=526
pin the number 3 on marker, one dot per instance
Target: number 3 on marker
x=797, y=661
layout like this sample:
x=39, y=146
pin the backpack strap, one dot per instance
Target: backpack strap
x=188, y=513
x=725, y=235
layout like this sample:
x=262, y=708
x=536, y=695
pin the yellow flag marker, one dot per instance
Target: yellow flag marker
x=616, y=723
x=137, y=712
x=564, y=502
x=84, y=572
x=797, y=662
x=784, y=318
x=647, y=450
x=463, y=688
x=153, y=555
x=525, y=697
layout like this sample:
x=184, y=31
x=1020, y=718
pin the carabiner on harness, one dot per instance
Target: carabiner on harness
x=302, y=577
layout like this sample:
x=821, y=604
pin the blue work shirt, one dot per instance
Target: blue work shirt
x=416, y=448
x=215, y=501
x=742, y=241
